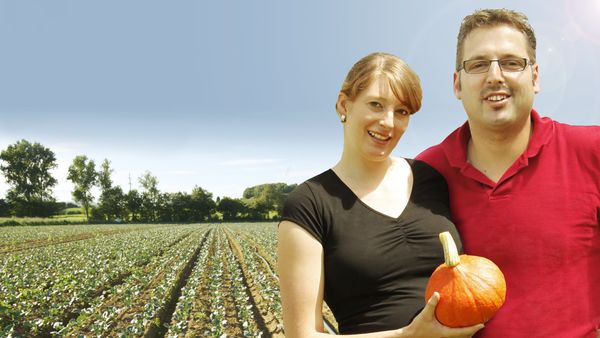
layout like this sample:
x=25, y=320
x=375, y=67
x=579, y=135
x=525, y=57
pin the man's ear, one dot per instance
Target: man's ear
x=456, y=85
x=536, y=78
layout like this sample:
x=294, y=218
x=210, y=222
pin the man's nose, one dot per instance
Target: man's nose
x=494, y=74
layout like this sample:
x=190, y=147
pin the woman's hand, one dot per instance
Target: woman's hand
x=426, y=325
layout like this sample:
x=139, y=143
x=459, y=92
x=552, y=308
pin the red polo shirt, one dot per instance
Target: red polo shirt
x=539, y=223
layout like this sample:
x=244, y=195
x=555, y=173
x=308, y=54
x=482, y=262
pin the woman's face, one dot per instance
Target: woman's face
x=375, y=121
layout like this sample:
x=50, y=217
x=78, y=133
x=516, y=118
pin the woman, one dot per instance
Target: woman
x=363, y=236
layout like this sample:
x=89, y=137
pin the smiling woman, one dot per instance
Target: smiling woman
x=362, y=236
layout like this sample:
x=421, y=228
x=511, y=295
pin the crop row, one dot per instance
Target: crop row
x=261, y=242
x=21, y=238
x=158, y=281
x=42, y=289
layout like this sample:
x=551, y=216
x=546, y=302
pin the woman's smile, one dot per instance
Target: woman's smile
x=378, y=137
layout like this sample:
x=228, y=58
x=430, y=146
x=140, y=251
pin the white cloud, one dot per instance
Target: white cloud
x=246, y=162
x=181, y=172
x=68, y=147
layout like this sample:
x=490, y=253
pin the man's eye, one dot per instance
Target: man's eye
x=512, y=63
x=476, y=65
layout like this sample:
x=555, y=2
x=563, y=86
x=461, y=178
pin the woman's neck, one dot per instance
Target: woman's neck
x=362, y=174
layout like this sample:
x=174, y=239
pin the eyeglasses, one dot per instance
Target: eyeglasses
x=483, y=66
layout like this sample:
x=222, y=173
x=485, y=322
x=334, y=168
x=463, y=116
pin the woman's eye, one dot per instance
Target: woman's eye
x=375, y=104
x=402, y=112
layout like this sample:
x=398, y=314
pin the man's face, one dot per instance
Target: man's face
x=496, y=100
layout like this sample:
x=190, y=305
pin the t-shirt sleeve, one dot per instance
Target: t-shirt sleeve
x=432, y=189
x=301, y=208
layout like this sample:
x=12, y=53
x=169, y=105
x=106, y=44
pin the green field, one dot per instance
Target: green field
x=67, y=216
x=199, y=280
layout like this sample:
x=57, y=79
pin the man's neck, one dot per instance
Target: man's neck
x=494, y=151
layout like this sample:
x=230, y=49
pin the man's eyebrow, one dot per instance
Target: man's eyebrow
x=484, y=57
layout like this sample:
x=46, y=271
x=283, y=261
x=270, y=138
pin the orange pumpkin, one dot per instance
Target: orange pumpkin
x=471, y=288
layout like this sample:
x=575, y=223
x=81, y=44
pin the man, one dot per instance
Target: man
x=524, y=190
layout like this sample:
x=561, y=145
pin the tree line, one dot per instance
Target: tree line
x=26, y=168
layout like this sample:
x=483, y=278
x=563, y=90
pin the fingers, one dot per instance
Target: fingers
x=475, y=328
x=434, y=299
x=465, y=331
x=429, y=309
x=432, y=302
x=429, y=312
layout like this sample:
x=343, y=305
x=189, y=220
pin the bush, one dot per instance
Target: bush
x=11, y=222
x=36, y=208
x=73, y=211
x=4, y=208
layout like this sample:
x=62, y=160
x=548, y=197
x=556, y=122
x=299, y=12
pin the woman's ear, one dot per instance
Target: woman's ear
x=341, y=104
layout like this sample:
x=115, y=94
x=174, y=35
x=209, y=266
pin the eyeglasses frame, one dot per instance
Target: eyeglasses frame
x=527, y=63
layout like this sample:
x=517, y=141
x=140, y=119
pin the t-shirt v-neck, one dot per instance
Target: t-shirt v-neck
x=372, y=209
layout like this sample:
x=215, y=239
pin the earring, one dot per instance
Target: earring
x=343, y=118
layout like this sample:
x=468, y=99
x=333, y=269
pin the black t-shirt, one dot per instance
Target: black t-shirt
x=376, y=266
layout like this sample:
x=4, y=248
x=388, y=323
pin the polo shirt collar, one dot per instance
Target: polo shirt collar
x=455, y=145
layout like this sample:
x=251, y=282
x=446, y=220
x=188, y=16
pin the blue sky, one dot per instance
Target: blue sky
x=231, y=94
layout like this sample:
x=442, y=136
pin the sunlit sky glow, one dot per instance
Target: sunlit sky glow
x=231, y=94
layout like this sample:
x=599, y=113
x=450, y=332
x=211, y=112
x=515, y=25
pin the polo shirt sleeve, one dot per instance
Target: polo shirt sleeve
x=585, y=146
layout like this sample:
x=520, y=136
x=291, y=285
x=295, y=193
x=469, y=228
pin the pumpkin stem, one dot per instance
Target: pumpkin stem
x=450, y=252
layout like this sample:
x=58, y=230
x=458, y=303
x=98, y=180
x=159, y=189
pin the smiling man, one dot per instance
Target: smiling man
x=524, y=189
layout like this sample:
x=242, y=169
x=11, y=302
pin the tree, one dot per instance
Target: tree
x=112, y=203
x=4, y=208
x=104, y=179
x=256, y=208
x=65, y=205
x=181, y=207
x=26, y=169
x=164, y=208
x=231, y=208
x=202, y=204
x=266, y=198
x=133, y=204
x=83, y=175
x=150, y=196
